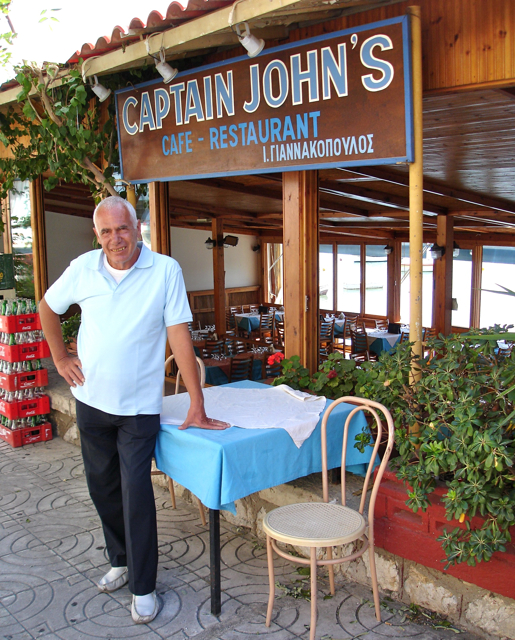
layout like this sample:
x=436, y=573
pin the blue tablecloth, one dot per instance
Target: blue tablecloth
x=250, y=322
x=220, y=467
x=385, y=342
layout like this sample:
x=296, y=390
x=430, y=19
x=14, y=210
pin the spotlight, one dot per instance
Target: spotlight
x=167, y=72
x=253, y=45
x=99, y=90
x=436, y=251
x=455, y=250
x=387, y=250
x=210, y=243
x=256, y=247
x=230, y=241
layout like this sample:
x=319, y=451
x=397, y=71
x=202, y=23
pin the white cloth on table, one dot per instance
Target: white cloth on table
x=274, y=408
x=391, y=338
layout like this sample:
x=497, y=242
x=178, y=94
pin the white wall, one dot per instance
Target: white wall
x=241, y=263
x=67, y=237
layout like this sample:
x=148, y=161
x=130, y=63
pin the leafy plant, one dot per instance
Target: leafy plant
x=70, y=328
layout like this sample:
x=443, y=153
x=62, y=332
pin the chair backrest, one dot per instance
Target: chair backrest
x=230, y=320
x=234, y=309
x=241, y=367
x=211, y=347
x=234, y=346
x=352, y=321
x=382, y=324
x=279, y=332
x=326, y=333
x=266, y=322
x=202, y=373
x=359, y=341
x=253, y=307
x=372, y=407
x=427, y=333
x=273, y=370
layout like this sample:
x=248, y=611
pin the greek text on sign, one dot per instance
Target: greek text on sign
x=338, y=100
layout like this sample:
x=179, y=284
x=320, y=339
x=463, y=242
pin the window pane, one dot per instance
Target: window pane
x=275, y=272
x=427, y=285
x=376, y=274
x=348, y=278
x=498, y=271
x=326, y=276
x=21, y=234
x=462, y=287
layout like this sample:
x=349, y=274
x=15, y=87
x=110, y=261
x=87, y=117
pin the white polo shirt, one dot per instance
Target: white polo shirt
x=122, y=336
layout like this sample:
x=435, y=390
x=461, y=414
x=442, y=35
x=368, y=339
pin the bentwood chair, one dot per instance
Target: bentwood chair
x=324, y=525
x=156, y=472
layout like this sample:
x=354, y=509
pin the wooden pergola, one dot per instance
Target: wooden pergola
x=467, y=194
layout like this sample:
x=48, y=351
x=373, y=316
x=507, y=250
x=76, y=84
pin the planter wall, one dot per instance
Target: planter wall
x=414, y=536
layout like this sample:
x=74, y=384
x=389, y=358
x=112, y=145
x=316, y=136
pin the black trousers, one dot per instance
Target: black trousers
x=117, y=453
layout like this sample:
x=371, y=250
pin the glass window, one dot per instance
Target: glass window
x=348, y=278
x=498, y=271
x=21, y=235
x=376, y=276
x=462, y=287
x=326, y=276
x=275, y=272
x=427, y=285
x=143, y=213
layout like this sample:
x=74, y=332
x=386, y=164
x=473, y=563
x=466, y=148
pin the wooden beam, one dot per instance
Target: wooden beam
x=219, y=276
x=461, y=195
x=476, y=284
x=300, y=258
x=39, y=254
x=393, y=286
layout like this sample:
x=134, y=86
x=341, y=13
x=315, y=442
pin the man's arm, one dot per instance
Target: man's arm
x=68, y=366
x=182, y=348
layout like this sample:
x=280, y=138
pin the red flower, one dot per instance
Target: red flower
x=332, y=374
x=275, y=358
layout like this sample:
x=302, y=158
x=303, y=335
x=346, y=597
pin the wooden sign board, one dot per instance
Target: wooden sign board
x=340, y=100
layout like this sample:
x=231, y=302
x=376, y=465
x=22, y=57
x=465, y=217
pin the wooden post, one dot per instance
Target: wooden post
x=39, y=255
x=416, y=192
x=159, y=218
x=131, y=195
x=477, y=283
x=442, y=276
x=300, y=259
x=393, y=295
x=219, y=275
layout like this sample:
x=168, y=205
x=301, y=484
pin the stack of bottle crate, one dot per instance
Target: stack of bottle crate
x=24, y=406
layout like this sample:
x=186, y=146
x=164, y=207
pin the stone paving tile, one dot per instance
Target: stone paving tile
x=52, y=553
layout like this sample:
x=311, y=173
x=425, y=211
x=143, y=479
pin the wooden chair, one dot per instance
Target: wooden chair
x=343, y=342
x=266, y=328
x=325, y=340
x=253, y=307
x=212, y=347
x=272, y=370
x=382, y=324
x=230, y=321
x=278, y=333
x=241, y=367
x=202, y=373
x=427, y=334
x=360, y=349
x=319, y=525
x=234, y=346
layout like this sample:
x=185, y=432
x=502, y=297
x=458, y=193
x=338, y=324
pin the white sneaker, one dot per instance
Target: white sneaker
x=145, y=608
x=114, y=579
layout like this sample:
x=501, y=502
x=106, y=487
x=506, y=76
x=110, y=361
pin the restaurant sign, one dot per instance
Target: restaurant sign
x=340, y=100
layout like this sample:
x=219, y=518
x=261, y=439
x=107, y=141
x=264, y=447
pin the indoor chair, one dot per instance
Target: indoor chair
x=382, y=324
x=325, y=340
x=319, y=525
x=360, y=349
x=202, y=373
x=241, y=367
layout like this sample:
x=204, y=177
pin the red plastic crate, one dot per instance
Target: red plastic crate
x=24, y=380
x=25, y=408
x=19, y=437
x=21, y=352
x=16, y=324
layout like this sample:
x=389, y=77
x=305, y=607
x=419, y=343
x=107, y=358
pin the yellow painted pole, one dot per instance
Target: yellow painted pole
x=416, y=191
x=131, y=194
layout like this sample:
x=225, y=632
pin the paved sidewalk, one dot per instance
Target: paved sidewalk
x=52, y=552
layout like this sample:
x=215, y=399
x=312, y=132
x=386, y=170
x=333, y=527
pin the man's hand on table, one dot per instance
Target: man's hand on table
x=70, y=367
x=198, y=418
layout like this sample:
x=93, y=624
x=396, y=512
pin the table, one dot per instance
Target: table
x=250, y=321
x=380, y=341
x=220, y=467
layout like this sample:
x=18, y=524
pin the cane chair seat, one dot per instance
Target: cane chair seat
x=318, y=524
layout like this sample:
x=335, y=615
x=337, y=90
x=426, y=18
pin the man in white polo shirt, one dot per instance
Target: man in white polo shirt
x=131, y=300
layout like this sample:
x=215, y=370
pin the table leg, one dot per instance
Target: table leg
x=214, y=561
